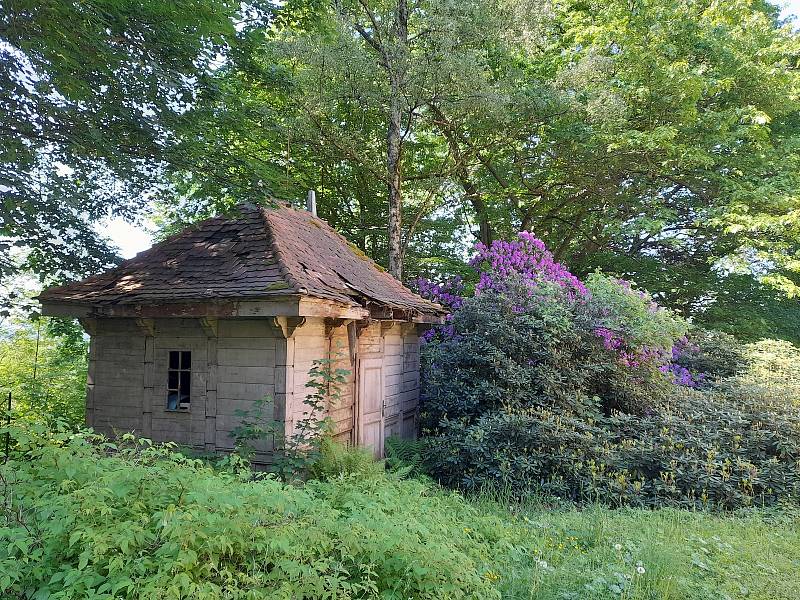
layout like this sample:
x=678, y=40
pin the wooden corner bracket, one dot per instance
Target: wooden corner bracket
x=288, y=325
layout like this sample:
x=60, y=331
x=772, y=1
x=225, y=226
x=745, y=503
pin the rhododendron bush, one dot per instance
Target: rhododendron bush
x=588, y=389
x=624, y=321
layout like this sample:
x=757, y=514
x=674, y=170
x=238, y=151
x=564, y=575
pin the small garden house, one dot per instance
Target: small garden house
x=236, y=309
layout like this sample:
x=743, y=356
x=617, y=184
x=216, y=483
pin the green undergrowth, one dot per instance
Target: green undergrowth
x=86, y=519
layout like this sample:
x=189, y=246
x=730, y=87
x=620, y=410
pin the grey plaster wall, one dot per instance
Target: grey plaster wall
x=115, y=384
x=249, y=352
x=310, y=343
x=235, y=363
x=127, y=386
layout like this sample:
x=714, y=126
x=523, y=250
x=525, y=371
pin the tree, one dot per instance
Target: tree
x=90, y=93
x=43, y=365
x=351, y=100
x=658, y=139
x=389, y=38
x=687, y=115
x=668, y=132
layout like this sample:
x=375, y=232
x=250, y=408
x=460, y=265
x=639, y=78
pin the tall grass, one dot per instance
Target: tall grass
x=669, y=554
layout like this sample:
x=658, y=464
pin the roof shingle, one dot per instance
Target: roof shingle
x=257, y=253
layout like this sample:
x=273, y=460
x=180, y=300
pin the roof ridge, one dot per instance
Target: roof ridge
x=294, y=285
x=379, y=269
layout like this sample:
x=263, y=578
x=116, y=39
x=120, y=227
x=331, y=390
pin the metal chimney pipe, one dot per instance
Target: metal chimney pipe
x=311, y=202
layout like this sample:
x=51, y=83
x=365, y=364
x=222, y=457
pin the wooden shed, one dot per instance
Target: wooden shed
x=236, y=309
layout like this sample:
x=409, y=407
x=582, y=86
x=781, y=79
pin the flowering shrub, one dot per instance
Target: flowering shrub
x=631, y=323
x=708, y=356
x=628, y=322
x=507, y=349
x=681, y=375
x=449, y=293
x=541, y=382
x=622, y=328
x=515, y=350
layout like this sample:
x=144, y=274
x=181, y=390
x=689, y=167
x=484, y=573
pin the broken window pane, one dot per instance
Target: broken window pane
x=185, y=382
x=179, y=380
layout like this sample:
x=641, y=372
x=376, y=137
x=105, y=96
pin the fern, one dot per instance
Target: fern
x=405, y=457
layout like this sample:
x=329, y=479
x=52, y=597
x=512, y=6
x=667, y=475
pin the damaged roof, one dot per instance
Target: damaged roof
x=257, y=253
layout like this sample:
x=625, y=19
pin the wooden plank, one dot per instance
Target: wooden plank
x=243, y=374
x=149, y=386
x=228, y=422
x=251, y=343
x=212, y=383
x=238, y=357
x=229, y=406
x=120, y=398
x=243, y=391
x=315, y=307
x=310, y=349
x=246, y=328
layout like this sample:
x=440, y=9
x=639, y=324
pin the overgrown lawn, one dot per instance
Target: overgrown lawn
x=84, y=519
x=669, y=553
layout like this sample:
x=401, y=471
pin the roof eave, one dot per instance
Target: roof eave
x=429, y=319
x=51, y=308
x=283, y=306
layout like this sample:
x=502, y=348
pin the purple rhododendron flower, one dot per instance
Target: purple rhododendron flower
x=449, y=293
x=611, y=341
x=526, y=257
x=682, y=375
x=681, y=350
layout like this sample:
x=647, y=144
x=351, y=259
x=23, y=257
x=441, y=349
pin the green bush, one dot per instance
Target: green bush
x=707, y=450
x=490, y=362
x=712, y=353
x=772, y=369
x=632, y=313
x=83, y=518
x=335, y=460
x=517, y=349
x=524, y=396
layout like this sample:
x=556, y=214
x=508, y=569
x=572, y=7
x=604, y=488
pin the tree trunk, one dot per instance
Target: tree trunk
x=485, y=232
x=393, y=167
x=396, y=67
x=393, y=58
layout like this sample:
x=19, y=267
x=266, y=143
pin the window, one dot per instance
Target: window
x=179, y=380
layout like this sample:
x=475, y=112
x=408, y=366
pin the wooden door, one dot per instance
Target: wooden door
x=370, y=404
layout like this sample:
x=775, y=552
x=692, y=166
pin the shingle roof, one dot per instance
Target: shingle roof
x=256, y=253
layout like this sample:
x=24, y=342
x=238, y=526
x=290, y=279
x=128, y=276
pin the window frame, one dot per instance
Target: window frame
x=183, y=380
